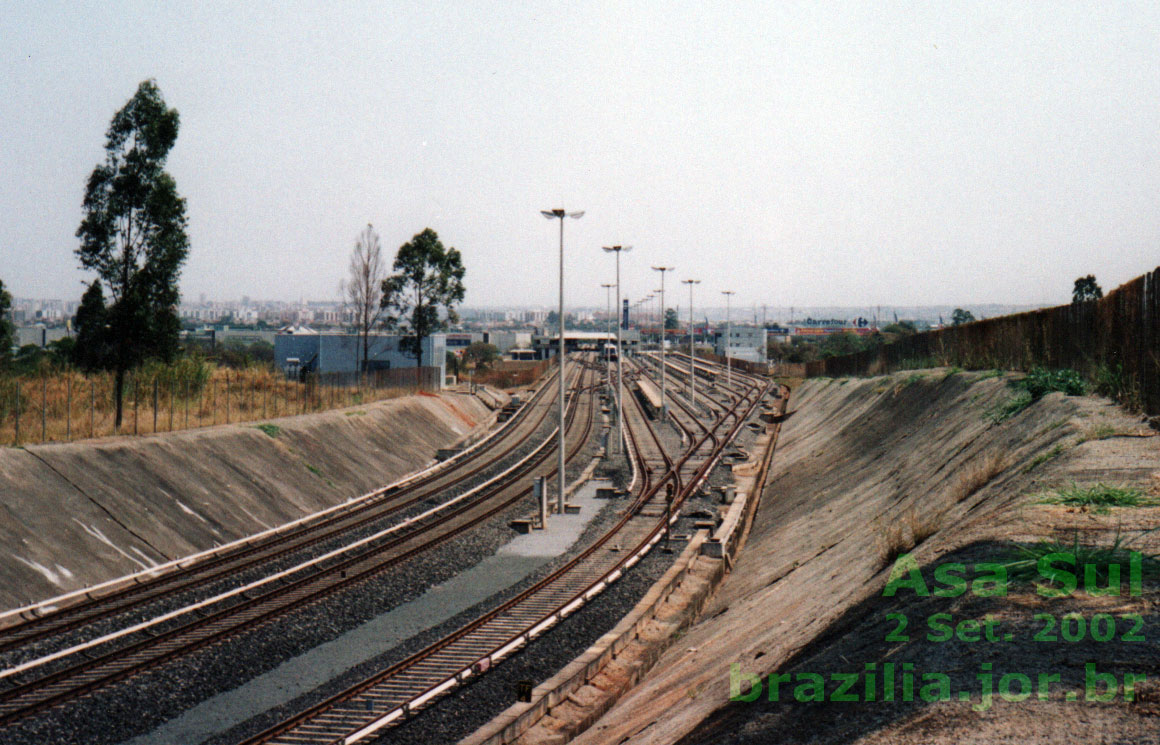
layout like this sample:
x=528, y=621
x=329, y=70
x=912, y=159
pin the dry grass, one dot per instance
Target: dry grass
x=978, y=474
x=923, y=525
x=893, y=539
x=901, y=536
x=65, y=406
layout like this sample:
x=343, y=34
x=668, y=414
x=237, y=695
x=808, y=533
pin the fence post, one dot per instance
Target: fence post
x=16, y=440
x=136, y=402
x=227, y=396
x=187, y=403
x=213, y=402
x=68, y=416
x=44, y=407
x=154, y=404
x=92, y=407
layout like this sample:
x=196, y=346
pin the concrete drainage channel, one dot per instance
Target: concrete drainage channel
x=573, y=699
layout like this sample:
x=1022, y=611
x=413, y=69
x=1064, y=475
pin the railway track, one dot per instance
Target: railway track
x=411, y=684
x=191, y=574
x=275, y=595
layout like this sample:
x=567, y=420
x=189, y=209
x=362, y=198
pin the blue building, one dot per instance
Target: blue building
x=298, y=349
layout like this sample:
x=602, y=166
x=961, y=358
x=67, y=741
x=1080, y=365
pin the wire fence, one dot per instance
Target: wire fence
x=65, y=406
x=1114, y=342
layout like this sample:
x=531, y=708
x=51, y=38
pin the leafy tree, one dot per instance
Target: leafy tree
x=900, y=328
x=29, y=359
x=7, y=333
x=671, y=320
x=452, y=363
x=960, y=316
x=61, y=351
x=552, y=321
x=133, y=234
x=1086, y=289
x=240, y=355
x=428, y=278
x=481, y=354
x=840, y=343
x=91, y=351
x=364, y=289
x=796, y=350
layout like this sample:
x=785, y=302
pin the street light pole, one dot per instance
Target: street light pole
x=618, y=250
x=560, y=350
x=608, y=324
x=664, y=405
x=692, y=347
x=607, y=307
x=728, y=336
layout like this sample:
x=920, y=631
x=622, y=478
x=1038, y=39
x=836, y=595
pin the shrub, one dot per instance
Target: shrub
x=1041, y=381
x=1010, y=407
x=1109, y=380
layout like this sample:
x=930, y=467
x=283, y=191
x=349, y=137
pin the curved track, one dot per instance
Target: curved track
x=202, y=624
x=404, y=688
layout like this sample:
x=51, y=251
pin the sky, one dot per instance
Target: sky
x=809, y=154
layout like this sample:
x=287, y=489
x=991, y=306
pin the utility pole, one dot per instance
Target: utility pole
x=607, y=305
x=729, y=336
x=692, y=347
x=618, y=250
x=664, y=336
x=561, y=215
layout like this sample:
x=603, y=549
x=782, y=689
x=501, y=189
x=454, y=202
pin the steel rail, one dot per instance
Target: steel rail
x=189, y=573
x=418, y=680
x=119, y=664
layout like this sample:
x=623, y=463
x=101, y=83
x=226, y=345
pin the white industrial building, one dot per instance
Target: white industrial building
x=744, y=343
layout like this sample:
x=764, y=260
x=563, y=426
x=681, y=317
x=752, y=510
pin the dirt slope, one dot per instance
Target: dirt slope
x=864, y=465
x=73, y=515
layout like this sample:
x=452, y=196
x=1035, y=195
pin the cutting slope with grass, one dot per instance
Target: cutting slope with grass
x=918, y=470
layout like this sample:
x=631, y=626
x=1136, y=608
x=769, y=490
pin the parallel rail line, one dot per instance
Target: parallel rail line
x=57, y=687
x=273, y=545
x=402, y=689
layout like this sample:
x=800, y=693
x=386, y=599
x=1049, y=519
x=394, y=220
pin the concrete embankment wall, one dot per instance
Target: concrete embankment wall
x=856, y=460
x=78, y=514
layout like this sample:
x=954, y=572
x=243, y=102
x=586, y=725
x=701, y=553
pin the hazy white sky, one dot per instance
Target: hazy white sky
x=806, y=154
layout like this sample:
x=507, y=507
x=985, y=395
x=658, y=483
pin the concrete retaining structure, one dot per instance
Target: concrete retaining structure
x=79, y=514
